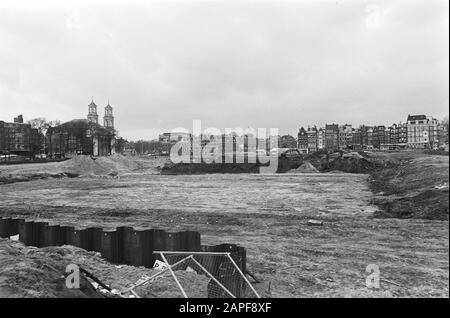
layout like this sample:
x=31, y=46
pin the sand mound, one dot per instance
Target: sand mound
x=88, y=166
x=111, y=166
x=307, y=167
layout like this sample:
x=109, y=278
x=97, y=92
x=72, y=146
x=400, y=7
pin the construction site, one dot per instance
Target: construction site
x=311, y=231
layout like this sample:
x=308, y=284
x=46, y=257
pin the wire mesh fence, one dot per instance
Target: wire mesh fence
x=200, y=275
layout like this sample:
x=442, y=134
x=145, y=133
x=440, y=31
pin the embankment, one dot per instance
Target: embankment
x=417, y=186
x=313, y=163
x=284, y=165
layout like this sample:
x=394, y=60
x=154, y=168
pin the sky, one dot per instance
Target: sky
x=260, y=64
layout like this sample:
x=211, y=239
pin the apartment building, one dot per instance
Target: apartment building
x=332, y=136
x=312, y=139
x=19, y=138
x=302, y=140
x=422, y=132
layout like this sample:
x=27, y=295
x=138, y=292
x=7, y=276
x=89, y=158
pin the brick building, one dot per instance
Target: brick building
x=19, y=138
x=379, y=137
x=332, y=137
x=345, y=136
x=356, y=143
x=321, y=138
x=302, y=140
x=312, y=139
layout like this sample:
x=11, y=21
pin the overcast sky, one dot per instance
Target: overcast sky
x=282, y=64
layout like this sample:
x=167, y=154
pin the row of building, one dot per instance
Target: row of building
x=419, y=132
x=78, y=136
x=87, y=136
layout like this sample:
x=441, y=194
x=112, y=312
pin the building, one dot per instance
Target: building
x=356, y=143
x=302, y=140
x=83, y=136
x=321, y=138
x=345, y=136
x=443, y=135
x=367, y=137
x=19, y=138
x=108, y=119
x=92, y=113
x=312, y=139
x=332, y=137
x=379, y=137
x=422, y=132
x=402, y=135
x=393, y=136
x=174, y=137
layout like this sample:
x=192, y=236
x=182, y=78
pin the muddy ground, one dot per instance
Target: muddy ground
x=268, y=215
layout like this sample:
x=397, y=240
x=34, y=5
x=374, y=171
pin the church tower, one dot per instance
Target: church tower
x=108, y=119
x=92, y=114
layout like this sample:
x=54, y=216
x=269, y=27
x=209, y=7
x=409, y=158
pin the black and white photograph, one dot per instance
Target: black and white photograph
x=246, y=150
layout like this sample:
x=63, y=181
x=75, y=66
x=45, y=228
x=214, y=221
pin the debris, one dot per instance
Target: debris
x=391, y=282
x=95, y=279
x=252, y=276
x=190, y=270
x=443, y=186
x=315, y=222
x=160, y=265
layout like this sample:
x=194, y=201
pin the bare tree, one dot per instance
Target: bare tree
x=42, y=125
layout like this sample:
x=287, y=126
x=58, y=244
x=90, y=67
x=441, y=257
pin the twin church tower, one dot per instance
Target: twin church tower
x=108, y=119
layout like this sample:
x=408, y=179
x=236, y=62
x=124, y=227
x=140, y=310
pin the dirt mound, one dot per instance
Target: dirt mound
x=307, y=167
x=26, y=273
x=88, y=166
x=430, y=204
x=203, y=168
x=122, y=163
x=34, y=272
x=350, y=165
x=415, y=188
